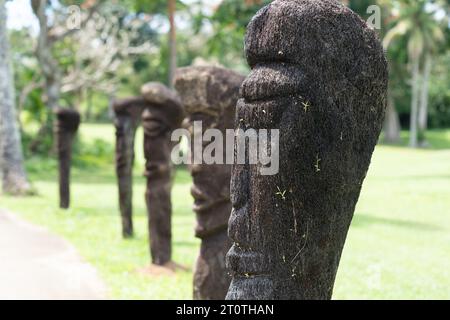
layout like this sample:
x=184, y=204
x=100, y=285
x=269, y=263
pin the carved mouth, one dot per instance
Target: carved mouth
x=247, y=263
x=272, y=81
x=200, y=206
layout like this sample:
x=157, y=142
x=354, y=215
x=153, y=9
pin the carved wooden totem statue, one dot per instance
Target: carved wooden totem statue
x=127, y=118
x=66, y=125
x=209, y=95
x=319, y=75
x=162, y=115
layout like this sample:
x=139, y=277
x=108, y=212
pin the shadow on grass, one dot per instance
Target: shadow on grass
x=364, y=220
x=138, y=210
x=102, y=176
x=86, y=177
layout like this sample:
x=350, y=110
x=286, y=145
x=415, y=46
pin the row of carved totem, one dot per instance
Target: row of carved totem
x=208, y=94
x=319, y=75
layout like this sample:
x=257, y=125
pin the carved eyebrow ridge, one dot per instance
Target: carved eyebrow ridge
x=288, y=89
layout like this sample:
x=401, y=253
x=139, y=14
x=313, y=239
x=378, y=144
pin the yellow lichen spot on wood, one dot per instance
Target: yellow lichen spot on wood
x=306, y=105
x=317, y=165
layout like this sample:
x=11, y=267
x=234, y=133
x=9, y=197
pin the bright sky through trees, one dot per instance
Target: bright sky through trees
x=20, y=14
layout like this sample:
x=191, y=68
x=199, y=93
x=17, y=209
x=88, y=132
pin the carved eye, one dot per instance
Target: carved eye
x=154, y=127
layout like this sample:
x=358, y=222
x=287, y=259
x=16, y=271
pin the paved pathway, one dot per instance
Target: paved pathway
x=35, y=264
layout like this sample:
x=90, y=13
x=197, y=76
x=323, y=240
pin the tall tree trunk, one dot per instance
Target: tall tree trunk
x=413, y=139
x=11, y=157
x=50, y=70
x=423, y=109
x=391, y=122
x=172, y=42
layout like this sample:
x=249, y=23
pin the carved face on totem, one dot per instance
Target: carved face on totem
x=157, y=145
x=66, y=125
x=128, y=114
x=319, y=76
x=68, y=120
x=209, y=96
x=130, y=107
x=162, y=115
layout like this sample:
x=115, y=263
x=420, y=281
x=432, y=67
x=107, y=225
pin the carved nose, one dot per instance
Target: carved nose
x=197, y=194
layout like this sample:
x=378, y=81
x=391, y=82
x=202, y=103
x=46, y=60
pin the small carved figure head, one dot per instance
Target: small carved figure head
x=67, y=120
x=209, y=95
x=162, y=115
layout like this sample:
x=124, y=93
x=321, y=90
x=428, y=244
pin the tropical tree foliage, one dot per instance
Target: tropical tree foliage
x=417, y=23
x=212, y=32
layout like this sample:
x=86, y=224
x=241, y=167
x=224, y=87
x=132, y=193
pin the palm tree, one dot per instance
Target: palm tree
x=417, y=23
x=434, y=37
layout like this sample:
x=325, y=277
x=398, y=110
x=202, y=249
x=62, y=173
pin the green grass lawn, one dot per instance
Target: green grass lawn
x=398, y=246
